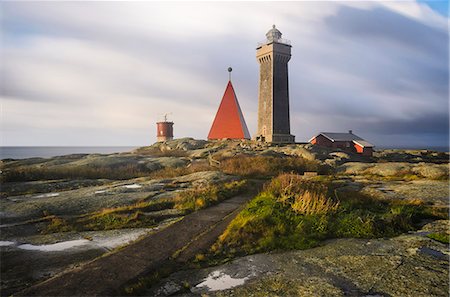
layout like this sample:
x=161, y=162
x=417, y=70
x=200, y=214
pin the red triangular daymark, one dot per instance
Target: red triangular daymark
x=229, y=121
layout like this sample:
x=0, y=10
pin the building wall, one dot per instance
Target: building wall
x=359, y=149
x=322, y=141
x=348, y=146
x=345, y=146
x=367, y=151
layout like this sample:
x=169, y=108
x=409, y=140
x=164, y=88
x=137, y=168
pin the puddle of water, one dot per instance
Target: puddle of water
x=437, y=254
x=133, y=186
x=100, y=192
x=217, y=281
x=47, y=195
x=6, y=243
x=113, y=242
x=98, y=241
x=55, y=247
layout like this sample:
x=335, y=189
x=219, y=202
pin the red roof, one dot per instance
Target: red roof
x=229, y=121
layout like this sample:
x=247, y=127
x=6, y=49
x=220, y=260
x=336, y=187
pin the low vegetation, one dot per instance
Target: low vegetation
x=156, y=152
x=295, y=213
x=268, y=166
x=29, y=173
x=441, y=237
x=202, y=197
x=170, y=172
x=396, y=170
x=146, y=213
x=131, y=216
x=129, y=171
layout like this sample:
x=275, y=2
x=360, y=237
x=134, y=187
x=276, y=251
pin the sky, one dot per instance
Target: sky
x=103, y=73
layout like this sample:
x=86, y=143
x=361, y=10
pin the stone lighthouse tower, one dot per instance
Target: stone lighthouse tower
x=273, y=56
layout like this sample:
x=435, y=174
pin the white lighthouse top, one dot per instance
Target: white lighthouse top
x=274, y=35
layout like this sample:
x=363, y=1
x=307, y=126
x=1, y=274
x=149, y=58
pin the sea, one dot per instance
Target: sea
x=23, y=152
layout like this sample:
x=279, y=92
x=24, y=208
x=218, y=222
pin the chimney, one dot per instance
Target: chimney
x=350, y=131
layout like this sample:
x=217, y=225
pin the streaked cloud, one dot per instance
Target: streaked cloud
x=101, y=73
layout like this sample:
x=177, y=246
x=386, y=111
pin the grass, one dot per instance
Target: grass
x=441, y=237
x=294, y=213
x=137, y=288
x=202, y=197
x=247, y=166
x=131, y=216
x=156, y=152
x=268, y=166
x=21, y=174
x=169, y=172
x=124, y=172
x=134, y=216
x=407, y=174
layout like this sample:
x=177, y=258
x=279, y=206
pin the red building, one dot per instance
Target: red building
x=229, y=121
x=348, y=142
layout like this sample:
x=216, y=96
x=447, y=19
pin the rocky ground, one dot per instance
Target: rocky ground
x=80, y=185
x=408, y=265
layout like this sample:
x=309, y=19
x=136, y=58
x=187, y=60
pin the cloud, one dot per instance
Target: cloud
x=113, y=68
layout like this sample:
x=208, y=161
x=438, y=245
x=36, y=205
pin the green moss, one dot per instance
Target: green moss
x=441, y=237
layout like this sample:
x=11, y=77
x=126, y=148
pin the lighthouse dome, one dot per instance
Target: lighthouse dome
x=274, y=34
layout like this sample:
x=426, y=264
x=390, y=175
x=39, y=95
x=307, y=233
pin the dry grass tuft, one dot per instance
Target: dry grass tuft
x=303, y=196
x=313, y=203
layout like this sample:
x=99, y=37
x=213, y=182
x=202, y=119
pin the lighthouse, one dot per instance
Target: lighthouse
x=164, y=130
x=273, y=56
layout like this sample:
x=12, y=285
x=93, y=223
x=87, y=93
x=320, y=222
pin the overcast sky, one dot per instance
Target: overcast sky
x=102, y=73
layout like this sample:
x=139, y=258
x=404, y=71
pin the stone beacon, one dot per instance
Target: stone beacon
x=164, y=130
x=273, y=56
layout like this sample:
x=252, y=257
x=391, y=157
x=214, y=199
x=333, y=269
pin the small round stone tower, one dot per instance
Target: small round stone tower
x=164, y=130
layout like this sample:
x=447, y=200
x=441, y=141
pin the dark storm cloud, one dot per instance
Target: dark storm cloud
x=436, y=123
x=376, y=71
x=384, y=24
x=396, y=37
